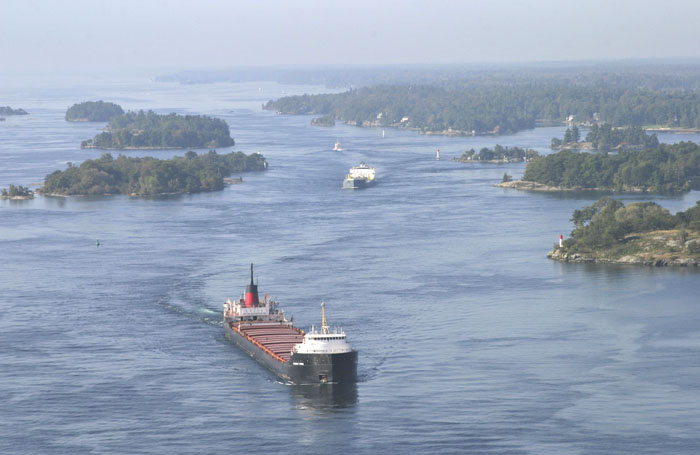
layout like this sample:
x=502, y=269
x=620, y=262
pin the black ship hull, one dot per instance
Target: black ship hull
x=302, y=368
x=356, y=184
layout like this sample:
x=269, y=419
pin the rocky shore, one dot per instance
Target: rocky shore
x=660, y=260
x=574, y=146
x=656, y=248
x=17, y=198
x=531, y=186
x=535, y=186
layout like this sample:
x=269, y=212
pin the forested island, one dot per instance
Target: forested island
x=149, y=176
x=606, y=137
x=16, y=192
x=667, y=168
x=637, y=233
x=498, y=154
x=7, y=110
x=93, y=111
x=499, y=108
x=148, y=130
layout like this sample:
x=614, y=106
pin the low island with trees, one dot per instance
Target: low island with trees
x=498, y=154
x=667, y=168
x=7, y=110
x=150, y=176
x=93, y=111
x=16, y=192
x=148, y=130
x=641, y=233
x=605, y=137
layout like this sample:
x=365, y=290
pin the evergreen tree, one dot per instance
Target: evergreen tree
x=575, y=134
x=568, y=136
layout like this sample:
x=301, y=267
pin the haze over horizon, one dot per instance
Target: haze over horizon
x=114, y=36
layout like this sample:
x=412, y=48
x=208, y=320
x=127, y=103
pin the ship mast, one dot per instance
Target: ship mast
x=324, y=324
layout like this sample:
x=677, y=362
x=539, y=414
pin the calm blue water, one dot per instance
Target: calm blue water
x=470, y=340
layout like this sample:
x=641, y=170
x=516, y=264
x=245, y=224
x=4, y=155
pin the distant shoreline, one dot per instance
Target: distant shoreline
x=135, y=148
x=503, y=161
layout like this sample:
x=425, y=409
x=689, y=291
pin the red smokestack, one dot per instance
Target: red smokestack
x=251, y=292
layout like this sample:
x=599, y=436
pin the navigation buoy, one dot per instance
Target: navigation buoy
x=561, y=240
x=437, y=157
x=97, y=243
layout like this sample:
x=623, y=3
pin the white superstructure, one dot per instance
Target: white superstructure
x=363, y=171
x=324, y=341
x=265, y=311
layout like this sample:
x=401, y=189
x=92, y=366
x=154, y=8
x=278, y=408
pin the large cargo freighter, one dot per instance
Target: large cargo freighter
x=359, y=177
x=262, y=331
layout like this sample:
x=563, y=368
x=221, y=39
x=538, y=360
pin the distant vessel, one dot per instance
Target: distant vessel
x=261, y=330
x=437, y=157
x=382, y=133
x=359, y=177
x=336, y=147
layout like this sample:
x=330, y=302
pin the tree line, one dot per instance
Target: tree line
x=665, y=168
x=652, y=76
x=499, y=108
x=150, y=130
x=498, y=153
x=606, y=137
x=149, y=176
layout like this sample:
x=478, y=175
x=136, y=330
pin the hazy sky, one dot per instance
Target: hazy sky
x=121, y=34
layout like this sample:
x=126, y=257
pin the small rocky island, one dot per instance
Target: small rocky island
x=642, y=233
x=16, y=192
x=150, y=131
x=7, y=110
x=498, y=154
x=150, y=176
x=93, y=111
